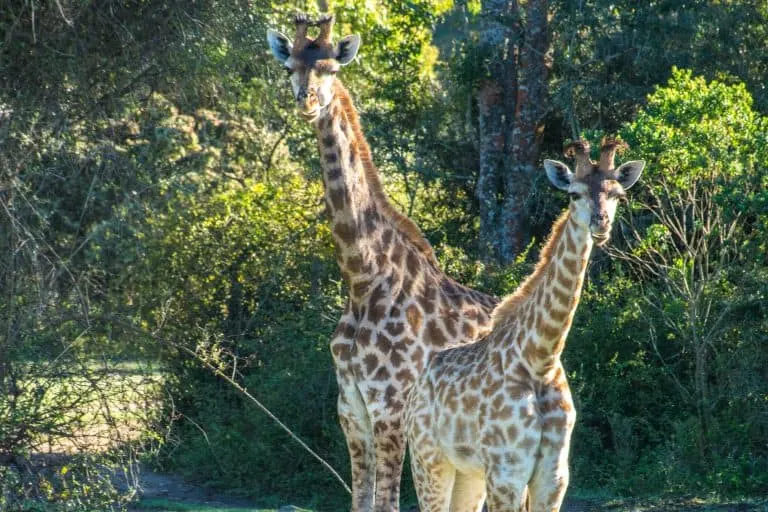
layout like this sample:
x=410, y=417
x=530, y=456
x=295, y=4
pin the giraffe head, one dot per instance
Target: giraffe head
x=312, y=64
x=595, y=187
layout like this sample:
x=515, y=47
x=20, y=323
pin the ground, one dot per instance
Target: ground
x=133, y=388
x=171, y=493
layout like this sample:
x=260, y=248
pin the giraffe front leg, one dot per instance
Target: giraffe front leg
x=433, y=474
x=468, y=493
x=509, y=465
x=353, y=417
x=389, y=441
x=550, y=478
x=359, y=435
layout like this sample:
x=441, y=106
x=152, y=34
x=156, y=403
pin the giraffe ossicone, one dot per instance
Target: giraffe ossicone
x=494, y=418
x=401, y=307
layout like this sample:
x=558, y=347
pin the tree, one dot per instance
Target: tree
x=609, y=55
x=694, y=236
x=512, y=101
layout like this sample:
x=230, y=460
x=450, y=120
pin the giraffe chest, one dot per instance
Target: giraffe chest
x=402, y=318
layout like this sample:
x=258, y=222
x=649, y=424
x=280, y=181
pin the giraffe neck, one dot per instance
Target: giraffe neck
x=364, y=224
x=543, y=307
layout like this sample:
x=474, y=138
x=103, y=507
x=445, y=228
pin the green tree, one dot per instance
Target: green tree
x=695, y=231
x=686, y=329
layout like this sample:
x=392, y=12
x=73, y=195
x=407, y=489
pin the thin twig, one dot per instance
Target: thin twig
x=241, y=389
x=63, y=16
x=266, y=411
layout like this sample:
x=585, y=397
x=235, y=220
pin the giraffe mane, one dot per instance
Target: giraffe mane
x=400, y=221
x=509, y=305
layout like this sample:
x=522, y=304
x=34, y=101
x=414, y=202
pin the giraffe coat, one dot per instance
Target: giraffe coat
x=495, y=417
x=401, y=307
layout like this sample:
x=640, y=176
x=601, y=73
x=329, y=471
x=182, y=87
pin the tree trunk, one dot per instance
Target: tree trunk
x=493, y=104
x=512, y=102
x=524, y=143
x=491, y=165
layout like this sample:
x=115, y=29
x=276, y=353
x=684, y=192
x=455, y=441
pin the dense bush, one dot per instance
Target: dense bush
x=248, y=285
x=669, y=358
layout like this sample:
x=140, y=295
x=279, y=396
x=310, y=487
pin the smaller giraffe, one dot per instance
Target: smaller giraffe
x=495, y=417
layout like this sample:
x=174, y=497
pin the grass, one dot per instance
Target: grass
x=684, y=503
x=163, y=505
x=90, y=405
x=679, y=505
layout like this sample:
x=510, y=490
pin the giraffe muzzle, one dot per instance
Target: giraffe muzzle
x=600, y=235
x=307, y=103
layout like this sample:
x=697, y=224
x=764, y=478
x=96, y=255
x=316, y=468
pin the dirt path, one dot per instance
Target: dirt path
x=160, y=486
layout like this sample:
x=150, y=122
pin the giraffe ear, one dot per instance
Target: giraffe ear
x=558, y=173
x=280, y=45
x=346, y=49
x=628, y=173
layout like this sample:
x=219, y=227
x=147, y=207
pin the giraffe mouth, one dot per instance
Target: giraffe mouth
x=601, y=238
x=310, y=115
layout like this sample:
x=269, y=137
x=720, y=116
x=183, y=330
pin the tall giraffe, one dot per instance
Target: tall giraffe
x=496, y=416
x=401, y=307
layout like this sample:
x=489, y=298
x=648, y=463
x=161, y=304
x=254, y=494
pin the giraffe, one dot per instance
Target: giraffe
x=400, y=307
x=496, y=416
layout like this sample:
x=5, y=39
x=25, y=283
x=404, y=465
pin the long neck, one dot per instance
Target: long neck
x=365, y=226
x=542, y=308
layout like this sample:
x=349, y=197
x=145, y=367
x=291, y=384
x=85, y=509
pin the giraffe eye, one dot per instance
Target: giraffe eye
x=327, y=71
x=575, y=196
x=288, y=71
x=617, y=195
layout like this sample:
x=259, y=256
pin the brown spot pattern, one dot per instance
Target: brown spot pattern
x=413, y=315
x=435, y=334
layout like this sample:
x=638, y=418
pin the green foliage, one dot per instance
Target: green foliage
x=608, y=55
x=154, y=179
x=227, y=257
x=669, y=369
x=79, y=484
x=248, y=283
x=694, y=129
x=170, y=506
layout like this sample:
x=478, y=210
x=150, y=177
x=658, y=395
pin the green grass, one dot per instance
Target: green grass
x=163, y=505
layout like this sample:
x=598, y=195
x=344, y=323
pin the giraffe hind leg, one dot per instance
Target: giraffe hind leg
x=468, y=493
x=434, y=484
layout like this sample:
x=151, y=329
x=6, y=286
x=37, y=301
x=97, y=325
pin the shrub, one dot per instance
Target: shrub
x=670, y=372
